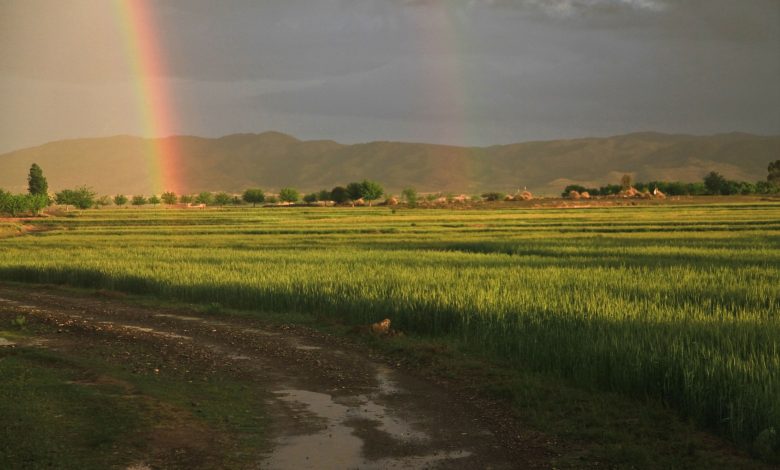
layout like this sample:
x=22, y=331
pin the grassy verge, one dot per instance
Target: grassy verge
x=78, y=409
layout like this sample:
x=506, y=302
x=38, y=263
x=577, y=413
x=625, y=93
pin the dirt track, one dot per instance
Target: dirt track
x=330, y=404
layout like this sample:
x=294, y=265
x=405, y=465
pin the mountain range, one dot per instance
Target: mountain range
x=271, y=160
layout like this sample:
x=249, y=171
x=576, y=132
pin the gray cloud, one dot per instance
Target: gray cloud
x=399, y=69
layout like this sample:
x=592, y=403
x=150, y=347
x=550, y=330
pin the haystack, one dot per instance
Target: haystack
x=526, y=196
x=359, y=202
x=630, y=192
x=585, y=195
x=509, y=197
x=657, y=193
x=441, y=200
x=573, y=194
x=460, y=198
x=391, y=201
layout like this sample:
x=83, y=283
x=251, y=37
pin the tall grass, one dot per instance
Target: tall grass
x=673, y=303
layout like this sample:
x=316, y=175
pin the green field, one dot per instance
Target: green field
x=676, y=303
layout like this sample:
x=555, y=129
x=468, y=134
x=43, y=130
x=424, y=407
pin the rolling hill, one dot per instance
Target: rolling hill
x=272, y=160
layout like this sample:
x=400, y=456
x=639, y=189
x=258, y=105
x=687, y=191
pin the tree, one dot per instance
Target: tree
x=81, y=197
x=102, y=201
x=186, y=198
x=766, y=187
x=323, y=195
x=13, y=204
x=310, y=198
x=371, y=190
x=36, y=202
x=36, y=182
x=410, y=196
x=154, y=200
x=120, y=199
x=625, y=181
x=774, y=172
x=339, y=195
x=254, y=196
x=715, y=183
x=204, y=197
x=138, y=201
x=16, y=204
x=169, y=197
x=355, y=191
x=493, y=196
x=289, y=195
x=222, y=198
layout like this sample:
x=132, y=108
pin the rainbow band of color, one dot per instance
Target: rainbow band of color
x=143, y=48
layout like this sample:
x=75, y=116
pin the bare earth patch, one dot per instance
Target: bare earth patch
x=329, y=403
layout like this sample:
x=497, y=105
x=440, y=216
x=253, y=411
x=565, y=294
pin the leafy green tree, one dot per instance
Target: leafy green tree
x=410, y=196
x=774, y=172
x=339, y=195
x=120, y=200
x=254, y=195
x=102, y=201
x=715, y=183
x=169, y=197
x=222, y=198
x=323, y=195
x=766, y=187
x=204, y=197
x=154, y=200
x=371, y=190
x=186, y=198
x=493, y=196
x=36, y=202
x=81, y=197
x=289, y=195
x=17, y=204
x=14, y=204
x=609, y=189
x=310, y=198
x=36, y=182
x=138, y=201
x=355, y=191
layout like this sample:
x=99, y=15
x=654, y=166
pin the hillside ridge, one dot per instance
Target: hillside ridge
x=271, y=159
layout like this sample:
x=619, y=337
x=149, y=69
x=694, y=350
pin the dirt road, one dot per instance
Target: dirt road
x=327, y=402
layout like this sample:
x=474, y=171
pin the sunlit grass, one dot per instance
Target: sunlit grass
x=674, y=303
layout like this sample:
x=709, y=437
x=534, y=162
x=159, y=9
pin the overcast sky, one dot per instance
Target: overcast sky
x=471, y=72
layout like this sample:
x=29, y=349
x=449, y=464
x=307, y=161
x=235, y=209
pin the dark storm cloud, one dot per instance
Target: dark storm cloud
x=357, y=70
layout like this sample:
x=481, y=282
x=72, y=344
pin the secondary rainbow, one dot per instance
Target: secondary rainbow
x=144, y=50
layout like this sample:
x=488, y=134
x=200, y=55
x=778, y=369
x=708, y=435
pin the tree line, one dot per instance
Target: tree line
x=83, y=197
x=713, y=184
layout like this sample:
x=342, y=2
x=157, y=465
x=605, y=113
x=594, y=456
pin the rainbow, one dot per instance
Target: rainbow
x=447, y=85
x=143, y=48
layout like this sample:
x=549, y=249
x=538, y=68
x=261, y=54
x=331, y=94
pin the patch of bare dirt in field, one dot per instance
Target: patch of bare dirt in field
x=331, y=404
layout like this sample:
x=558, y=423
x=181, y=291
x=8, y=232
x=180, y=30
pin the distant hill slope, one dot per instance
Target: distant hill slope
x=272, y=160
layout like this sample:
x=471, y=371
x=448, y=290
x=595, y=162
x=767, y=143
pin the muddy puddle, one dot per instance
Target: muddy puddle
x=344, y=424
